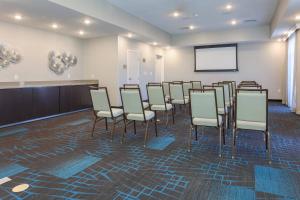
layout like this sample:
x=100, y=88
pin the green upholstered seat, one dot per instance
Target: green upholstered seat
x=116, y=112
x=140, y=117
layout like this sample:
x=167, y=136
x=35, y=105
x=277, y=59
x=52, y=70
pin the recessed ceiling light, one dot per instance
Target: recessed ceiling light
x=279, y=40
x=191, y=27
x=87, y=21
x=175, y=14
x=297, y=17
x=233, y=22
x=154, y=43
x=228, y=7
x=81, y=32
x=54, y=26
x=18, y=17
x=130, y=35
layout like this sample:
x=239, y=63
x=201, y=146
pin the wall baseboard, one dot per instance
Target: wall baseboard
x=276, y=100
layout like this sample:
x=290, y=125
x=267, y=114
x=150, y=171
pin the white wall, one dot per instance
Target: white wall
x=101, y=61
x=34, y=45
x=147, y=68
x=262, y=62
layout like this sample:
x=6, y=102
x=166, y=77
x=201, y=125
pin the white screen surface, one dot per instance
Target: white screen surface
x=216, y=59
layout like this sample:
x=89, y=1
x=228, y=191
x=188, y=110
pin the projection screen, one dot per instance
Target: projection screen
x=215, y=58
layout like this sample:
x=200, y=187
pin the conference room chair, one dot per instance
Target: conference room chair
x=252, y=114
x=248, y=83
x=228, y=101
x=196, y=84
x=132, y=85
x=104, y=110
x=134, y=111
x=204, y=113
x=158, y=102
x=177, y=94
x=166, y=88
x=222, y=109
x=250, y=87
x=186, y=87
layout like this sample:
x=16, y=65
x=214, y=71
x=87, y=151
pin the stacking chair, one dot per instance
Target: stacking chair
x=196, y=85
x=204, y=112
x=246, y=87
x=134, y=110
x=252, y=114
x=158, y=102
x=166, y=88
x=145, y=103
x=228, y=100
x=177, y=94
x=104, y=110
x=186, y=87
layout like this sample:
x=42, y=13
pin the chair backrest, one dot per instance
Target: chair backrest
x=219, y=93
x=226, y=92
x=230, y=88
x=100, y=99
x=250, y=87
x=132, y=101
x=252, y=107
x=186, y=87
x=154, y=83
x=176, y=91
x=196, y=84
x=156, y=95
x=204, y=104
x=233, y=87
x=166, y=87
x=131, y=86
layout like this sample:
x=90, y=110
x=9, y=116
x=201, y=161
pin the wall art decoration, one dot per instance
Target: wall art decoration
x=8, y=56
x=60, y=62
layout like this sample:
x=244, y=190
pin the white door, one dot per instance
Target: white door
x=159, y=68
x=133, y=67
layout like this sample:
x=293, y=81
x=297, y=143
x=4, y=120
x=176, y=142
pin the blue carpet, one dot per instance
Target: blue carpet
x=11, y=170
x=13, y=131
x=78, y=122
x=73, y=166
x=160, y=143
x=232, y=193
x=276, y=181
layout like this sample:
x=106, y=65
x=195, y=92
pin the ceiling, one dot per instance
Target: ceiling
x=42, y=14
x=204, y=15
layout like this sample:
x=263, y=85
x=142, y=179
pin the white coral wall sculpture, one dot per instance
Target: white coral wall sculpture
x=8, y=56
x=60, y=62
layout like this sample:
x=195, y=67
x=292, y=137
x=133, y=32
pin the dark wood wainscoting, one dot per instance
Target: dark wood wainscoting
x=22, y=104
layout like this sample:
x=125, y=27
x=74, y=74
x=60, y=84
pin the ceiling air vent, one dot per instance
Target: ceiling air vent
x=250, y=20
x=185, y=28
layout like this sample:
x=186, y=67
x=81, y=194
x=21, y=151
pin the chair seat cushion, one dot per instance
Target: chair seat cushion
x=259, y=126
x=116, y=112
x=179, y=101
x=207, y=122
x=221, y=111
x=140, y=117
x=145, y=105
x=161, y=107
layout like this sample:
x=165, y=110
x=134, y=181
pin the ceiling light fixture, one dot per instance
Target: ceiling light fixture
x=130, y=35
x=228, y=7
x=175, y=14
x=233, y=22
x=87, y=21
x=191, y=27
x=297, y=17
x=54, y=26
x=81, y=32
x=154, y=43
x=18, y=17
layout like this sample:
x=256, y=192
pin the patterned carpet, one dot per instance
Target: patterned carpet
x=59, y=159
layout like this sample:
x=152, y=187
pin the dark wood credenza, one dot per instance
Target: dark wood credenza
x=23, y=103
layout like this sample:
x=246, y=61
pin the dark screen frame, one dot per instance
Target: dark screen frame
x=217, y=46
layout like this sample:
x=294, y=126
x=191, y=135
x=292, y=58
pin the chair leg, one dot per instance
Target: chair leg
x=113, y=129
x=233, y=142
x=167, y=122
x=190, y=139
x=95, y=120
x=173, y=109
x=155, y=123
x=123, y=134
x=134, y=126
x=220, y=141
x=125, y=126
x=146, y=133
x=106, y=126
x=226, y=120
x=196, y=133
x=269, y=147
x=223, y=133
